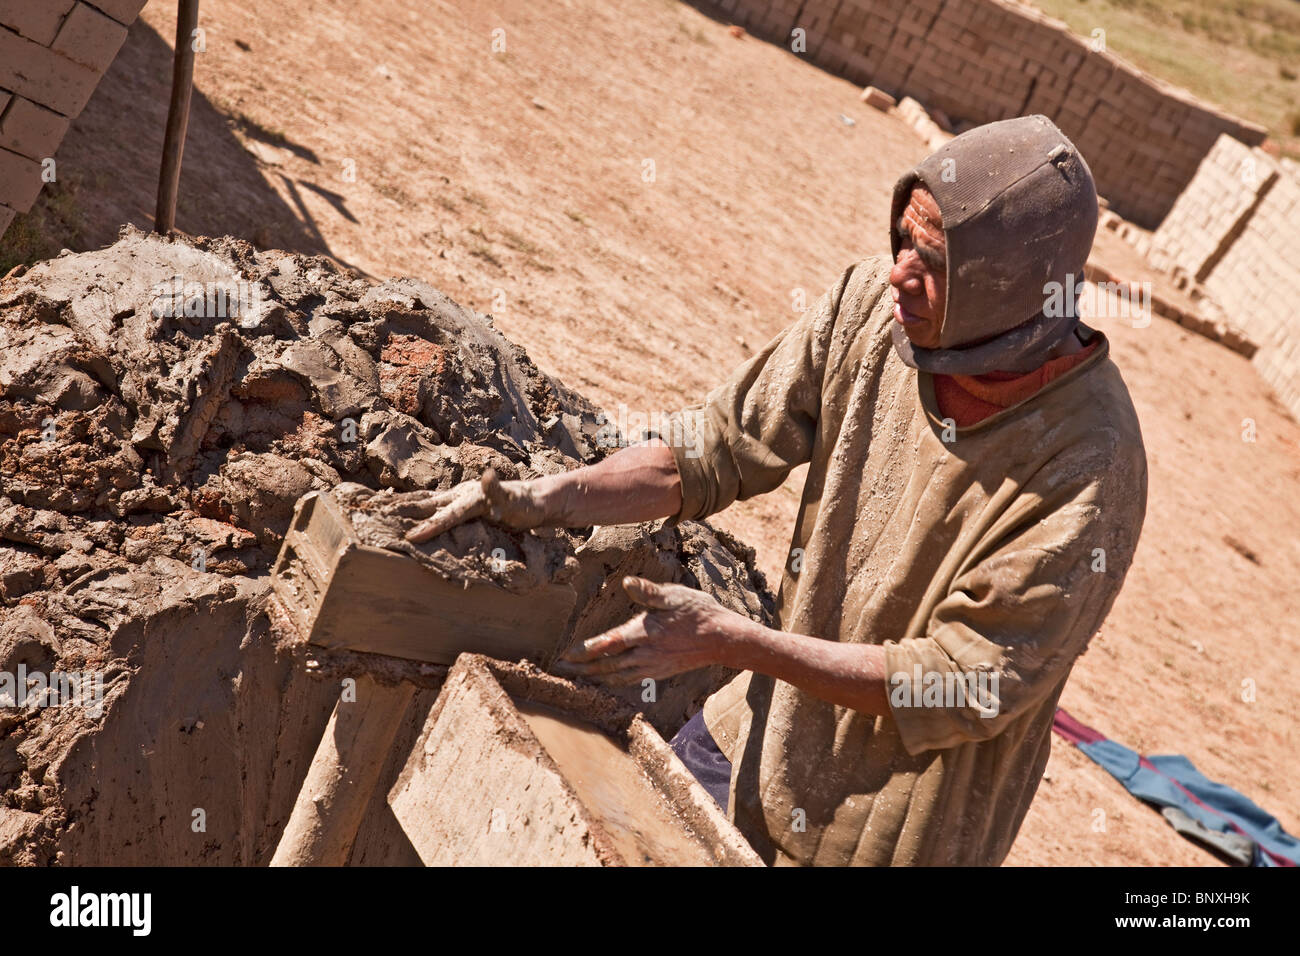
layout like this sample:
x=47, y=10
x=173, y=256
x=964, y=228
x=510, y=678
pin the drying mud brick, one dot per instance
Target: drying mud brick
x=30, y=130
x=89, y=38
x=40, y=74
x=123, y=11
x=52, y=55
x=39, y=22
x=515, y=768
x=20, y=180
x=985, y=60
x=164, y=404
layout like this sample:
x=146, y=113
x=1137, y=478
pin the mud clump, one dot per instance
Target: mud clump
x=163, y=404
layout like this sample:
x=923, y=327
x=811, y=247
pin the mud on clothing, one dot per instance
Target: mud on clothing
x=1000, y=551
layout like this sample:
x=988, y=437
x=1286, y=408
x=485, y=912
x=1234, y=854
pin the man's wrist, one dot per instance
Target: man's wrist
x=551, y=494
x=745, y=644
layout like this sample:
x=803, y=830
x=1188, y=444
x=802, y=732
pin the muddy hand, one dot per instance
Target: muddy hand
x=510, y=503
x=683, y=629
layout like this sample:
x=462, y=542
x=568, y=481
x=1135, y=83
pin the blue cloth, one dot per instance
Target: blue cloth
x=1173, y=781
x=695, y=747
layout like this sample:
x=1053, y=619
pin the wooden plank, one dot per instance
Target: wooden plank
x=518, y=768
x=342, y=776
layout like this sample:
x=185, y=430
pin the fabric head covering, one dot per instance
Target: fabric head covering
x=1019, y=212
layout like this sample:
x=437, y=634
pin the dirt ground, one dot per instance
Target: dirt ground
x=640, y=199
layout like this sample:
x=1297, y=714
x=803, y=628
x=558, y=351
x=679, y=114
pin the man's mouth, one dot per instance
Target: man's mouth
x=906, y=318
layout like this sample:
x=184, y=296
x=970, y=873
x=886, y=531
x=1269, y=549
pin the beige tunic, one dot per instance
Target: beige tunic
x=1000, y=550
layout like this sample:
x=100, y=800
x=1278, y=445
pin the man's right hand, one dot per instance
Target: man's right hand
x=514, y=504
x=639, y=483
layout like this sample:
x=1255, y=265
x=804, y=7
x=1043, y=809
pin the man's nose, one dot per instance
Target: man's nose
x=905, y=275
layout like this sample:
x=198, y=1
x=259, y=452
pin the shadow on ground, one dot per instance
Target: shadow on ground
x=112, y=154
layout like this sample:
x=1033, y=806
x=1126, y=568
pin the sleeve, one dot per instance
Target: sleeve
x=1016, y=616
x=752, y=430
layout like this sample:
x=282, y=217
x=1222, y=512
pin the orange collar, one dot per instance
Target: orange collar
x=969, y=399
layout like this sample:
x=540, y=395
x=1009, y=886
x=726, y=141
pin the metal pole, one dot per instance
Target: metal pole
x=178, y=115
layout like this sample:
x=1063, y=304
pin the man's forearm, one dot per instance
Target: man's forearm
x=851, y=675
x=638, y=483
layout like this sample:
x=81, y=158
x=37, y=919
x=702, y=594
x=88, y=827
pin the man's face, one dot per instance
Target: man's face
x=920, y=273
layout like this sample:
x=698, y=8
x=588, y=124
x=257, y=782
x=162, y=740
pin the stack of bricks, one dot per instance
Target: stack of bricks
x=52, y=55
x=985, y=60
x=1260, y=274
x=1205, y=217
x=1236, y=231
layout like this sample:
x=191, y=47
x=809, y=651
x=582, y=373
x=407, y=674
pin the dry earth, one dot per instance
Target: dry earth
x=392, y=137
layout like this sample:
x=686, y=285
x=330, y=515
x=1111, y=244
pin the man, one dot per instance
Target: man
x=976, y=488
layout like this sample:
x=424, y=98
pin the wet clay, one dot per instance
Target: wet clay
x=164, y=403
x=611, y=785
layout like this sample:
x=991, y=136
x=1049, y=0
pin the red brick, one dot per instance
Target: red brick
x=45, y=77
x=20, y=180
x=37, y=20
x=31, y=130
x=89, y=38
x=123, y=11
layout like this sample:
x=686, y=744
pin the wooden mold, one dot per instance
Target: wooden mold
x=340, y=593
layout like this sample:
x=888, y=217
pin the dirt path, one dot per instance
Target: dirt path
x=516, y=181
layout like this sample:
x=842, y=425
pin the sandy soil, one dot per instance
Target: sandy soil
x=392, y=137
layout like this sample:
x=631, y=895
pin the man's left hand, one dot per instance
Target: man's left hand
x=682, y=630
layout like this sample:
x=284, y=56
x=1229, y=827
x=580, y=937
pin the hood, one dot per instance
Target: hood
x=1019, y=212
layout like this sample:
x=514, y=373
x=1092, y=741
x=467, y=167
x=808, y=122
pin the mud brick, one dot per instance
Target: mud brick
x=891, y=74
x=43, y=76
x=849, y=19
x=878, y=99
x=31, y=130
x=833, y=56
x=815, y=42
x=20, y=180
x=859, y=68
x=974, y=42
x=123, y=11
x=912, y=27
x=774, y=26
x=959, y=13
x=90, y=38
x=6, y=217
x=38, y=20
x=879, y=29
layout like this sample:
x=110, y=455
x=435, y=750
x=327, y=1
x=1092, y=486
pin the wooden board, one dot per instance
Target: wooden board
x=518, y=768
x=340, y=593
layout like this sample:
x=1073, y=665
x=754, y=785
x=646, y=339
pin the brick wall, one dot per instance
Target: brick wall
x=1236, y=230
x=992, y=59
x=52, y=54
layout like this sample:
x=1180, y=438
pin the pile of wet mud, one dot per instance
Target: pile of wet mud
x=163, y=404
